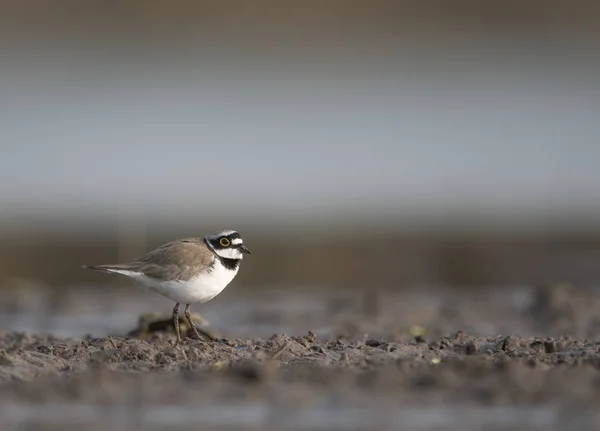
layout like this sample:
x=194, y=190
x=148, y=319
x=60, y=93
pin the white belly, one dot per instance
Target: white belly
x=201, y=288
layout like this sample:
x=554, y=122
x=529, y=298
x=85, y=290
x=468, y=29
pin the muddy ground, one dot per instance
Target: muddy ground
x=416, y=378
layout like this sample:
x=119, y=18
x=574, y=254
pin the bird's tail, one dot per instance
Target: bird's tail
x=105, y=268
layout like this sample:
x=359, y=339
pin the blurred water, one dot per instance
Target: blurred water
x=327, y=312
x=235, y=318
x=501, y=130
x=257, y=416
x=506, y=146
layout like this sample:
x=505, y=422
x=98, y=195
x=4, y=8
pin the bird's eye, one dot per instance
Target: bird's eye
x=224, y=242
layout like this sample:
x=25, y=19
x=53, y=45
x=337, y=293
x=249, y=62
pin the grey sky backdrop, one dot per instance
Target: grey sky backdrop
x=298, y=114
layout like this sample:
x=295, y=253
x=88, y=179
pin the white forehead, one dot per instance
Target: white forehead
x=226, y=232
x=237, y=241
x=223, y=233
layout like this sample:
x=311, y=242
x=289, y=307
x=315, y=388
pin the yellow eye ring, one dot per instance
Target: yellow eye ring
x=224, y=242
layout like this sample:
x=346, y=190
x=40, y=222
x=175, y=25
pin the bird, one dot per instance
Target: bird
x=187, y=270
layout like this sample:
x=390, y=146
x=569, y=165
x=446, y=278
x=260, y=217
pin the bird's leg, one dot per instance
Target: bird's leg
x=176, y=322
x=197, y=331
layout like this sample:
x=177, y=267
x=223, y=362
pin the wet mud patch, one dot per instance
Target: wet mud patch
x=289, y=370
x=372, y=361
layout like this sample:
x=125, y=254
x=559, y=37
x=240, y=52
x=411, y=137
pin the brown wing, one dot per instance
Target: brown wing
x=176, y=260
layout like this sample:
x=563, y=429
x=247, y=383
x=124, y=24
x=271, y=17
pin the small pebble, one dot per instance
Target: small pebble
x=550, y=346
x=372, y=343
x=470, y=348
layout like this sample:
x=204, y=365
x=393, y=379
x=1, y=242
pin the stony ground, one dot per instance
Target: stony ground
x=308, y=372
x=460, y=367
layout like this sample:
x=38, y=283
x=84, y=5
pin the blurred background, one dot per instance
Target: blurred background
x=382, y=145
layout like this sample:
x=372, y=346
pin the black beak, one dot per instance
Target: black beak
x=245, y=249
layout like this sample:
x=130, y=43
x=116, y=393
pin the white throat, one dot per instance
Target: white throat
x=230, y=253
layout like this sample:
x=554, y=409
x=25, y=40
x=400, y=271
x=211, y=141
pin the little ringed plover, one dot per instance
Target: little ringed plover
x=188, y=271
